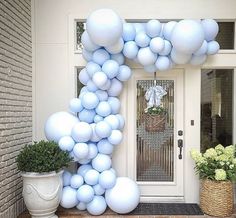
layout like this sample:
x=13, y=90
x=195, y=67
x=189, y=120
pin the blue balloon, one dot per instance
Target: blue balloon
x=91, y=86
x=202, y=50
x=66, y=177
x=146, y=56
x=107, y=179
x=150, y=68
x=119, y=58
x=110, y=68
x=212, y=47
x=180, y=58
x=69, y=198
x=92, y=68
x=89, y=100
x=101, y=162
x=130, y=49
x=87, y=115
x=139, y=27
x=105, y=147
x=153, y=28
x=116, y=48
x=81, y=150
x=167, y=48
x=87, y=42
x=81, y=206
x=87, y=55
x=91, y=177
x=103, y=109
x=93, y=151
x=107, y=85
x=99, y=79
x=116, y=137
x=97, y=206
x=103, y=129
x=198, y=60
x=115, y=88
x=163, y=63
x=129, y=32
x=124, y=73
x=66, y=143
x=85, y=193
x=102, y=95
x=115, y=104
x=76, y=181
x=98, y=190
x=83, y=169
x=113, y=121
x=97, y=118
x=168, y=28
x=157, y=44
x=121, y=121
x=100, y=56
x=95, y=137
x=81, y=132
x=83, y=76
x=210, y=28
x=142, y=39
x=75, y=105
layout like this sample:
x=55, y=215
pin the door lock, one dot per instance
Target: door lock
x=180, y=145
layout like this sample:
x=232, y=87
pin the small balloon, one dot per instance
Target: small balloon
x=87, y=115
x=142, y=39
x=66, y=143
x=103, y=109
x=130, y=49
x=93, y=151
x=110, y=68
x=85, y=193
x=210, y=28
x=101, y=162
x=100, y=56
x=99, y=78
x=87, y=42
x=119, y=58
x=157, y=44
x=162, y=63
x=113, y=121
x=167, y=48
x=98, y=190
x=146, y=56
x=92, y=68
x=81, y=150
x=129, y=32
x=81, y=206
x=89, y=100
x=76, y=181
x=202, y=50
x=107, y=179
x=115, y=104
x=83, y=76
x=105, y=147
x=102, y=95
x=116, y=137
x=83, y=169
x=115, y=88
x=91, y=177
x=103, y=129
x=81, y=132
x=153, y=28
x=124, y=73
x=212, y=47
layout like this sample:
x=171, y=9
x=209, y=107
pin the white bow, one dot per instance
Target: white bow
x=154, y=95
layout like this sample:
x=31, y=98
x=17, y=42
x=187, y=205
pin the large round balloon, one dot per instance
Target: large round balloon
x=104, y=27
x=124, y=196
x=210, y=28
x=97, y=206
x=58, y=125
x=69, y=197
x=187, y=36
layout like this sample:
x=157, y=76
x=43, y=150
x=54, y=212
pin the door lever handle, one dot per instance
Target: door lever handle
x=180, y=145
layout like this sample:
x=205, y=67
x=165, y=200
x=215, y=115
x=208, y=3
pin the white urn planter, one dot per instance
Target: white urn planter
x=42, y=193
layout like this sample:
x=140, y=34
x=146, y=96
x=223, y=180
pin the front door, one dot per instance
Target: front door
x=155, y=157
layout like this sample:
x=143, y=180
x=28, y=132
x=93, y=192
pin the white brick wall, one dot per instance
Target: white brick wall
x=15, y=99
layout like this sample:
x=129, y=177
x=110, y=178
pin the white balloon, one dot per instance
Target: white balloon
x=91, y=177
x=116, y=48
x=146, y=56
x=153, y=28
x=76, y=181
x=187, y=36
x=66, y=143
x=130, y=49
x=168, y=28
x=129, y=32
x=119, y=58
x=101, y=162
x=58, y=125
x=116, y=137
x=104, y=27
x=85, y=193
x=81, y=132
x=83, y=169
x=180, y=58
x=115, y=88
x=113, y=121
x=97, y=206
x=98, y=190
x=99, y=79
x=110, y=68
x=103, y=109
x=83, y=76
x=212, y=47
x=92, y=68
x=198, y=60
x=105, y=147
x=100, y=56
x=162, y=63
x=124, y=73
x=81, y=206
x=107, y=179
x=124, y=196
x=81, y=150
x=87, y=42
x=157, y=44
x=66, y=177
x=210, y=28
x=89, y=100
x=142, y=39
x=115, y=104
x=103, y=129
x=68, y=198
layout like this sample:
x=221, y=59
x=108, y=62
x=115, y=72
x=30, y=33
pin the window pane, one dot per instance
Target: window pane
x=225, y=36
x=216, y=107
x=79, y=84
x=80, y=27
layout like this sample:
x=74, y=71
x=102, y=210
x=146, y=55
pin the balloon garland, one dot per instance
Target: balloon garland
x=94, y=127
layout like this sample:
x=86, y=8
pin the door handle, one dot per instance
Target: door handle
x=180, y=145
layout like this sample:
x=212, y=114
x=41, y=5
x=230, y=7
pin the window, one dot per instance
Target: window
x=225, y=36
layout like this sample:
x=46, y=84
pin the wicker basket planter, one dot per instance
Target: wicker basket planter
x=155, y=122
x=216, y=198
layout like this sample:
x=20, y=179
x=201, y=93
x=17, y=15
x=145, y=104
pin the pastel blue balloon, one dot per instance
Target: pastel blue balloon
x=97, y=206
x=87, y=55
x=139, y=27
x=116, y=137
x=84, y=161
x=202, y=50
x=84, y=89
x=157, y=44
x=103, y=129
x=98, y=190
x=212, y=47
x=130, y=49
x=150, y=68
x=99, y=78
x=115, y=104
x=107, y=179
x=89, y=100
x=97, y=118
x=107, y=85
x=168, y=28
x=103, y=109
x=93, y=151
x=121, y=121
x=91, y=177
x=66, y=143
x=124, y=73
x=129, y=32
x=81, y=206
x=83, y=76
x=210, y=28
x=87, y=115
x=180, y=58
x=113, y=121
x=81, y=150
x=104, y=27
x=95, y=137
x=115, y=88
x=69, y=197
x=74, y=158
x=81, y=132
x=66, y=177
x=76, y=181
x=153, y=28
x=102, y=95
x=119, y=58
x=116, y=48
x=146, y=56
x=167, y=48
x=92, y=68
x=163, y=63
x=187, y=36
x=100, y=56
x=142, y=39
x=198, y=60
x=85, y=193
x=75, y=105
x=87, y=42
x=105, y=147
x=91, y=86
x=101, y=162
x=83, y=169
x=110, y=68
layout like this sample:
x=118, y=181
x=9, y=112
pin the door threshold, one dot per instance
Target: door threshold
x=165, y=199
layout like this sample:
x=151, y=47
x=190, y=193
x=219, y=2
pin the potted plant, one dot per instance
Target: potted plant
x=155, y=119
x=41, y=165
x=216, y=168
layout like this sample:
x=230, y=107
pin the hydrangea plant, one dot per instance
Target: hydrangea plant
x=217, y=163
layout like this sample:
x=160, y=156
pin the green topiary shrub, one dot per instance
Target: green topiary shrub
x=41, y=157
